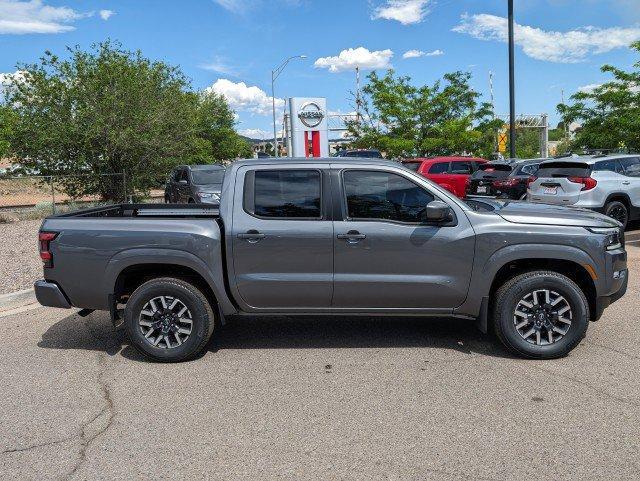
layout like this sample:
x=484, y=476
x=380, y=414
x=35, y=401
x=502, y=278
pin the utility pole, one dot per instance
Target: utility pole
x=512, y=93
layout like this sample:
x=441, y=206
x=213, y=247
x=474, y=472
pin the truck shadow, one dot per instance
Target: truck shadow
x=95, y=333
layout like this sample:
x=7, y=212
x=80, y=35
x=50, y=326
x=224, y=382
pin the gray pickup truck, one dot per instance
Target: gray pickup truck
x=337, y=237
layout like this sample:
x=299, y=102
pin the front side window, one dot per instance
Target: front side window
x=384, y=196
x=631, y=166
x=439, y=168
x=285, y=193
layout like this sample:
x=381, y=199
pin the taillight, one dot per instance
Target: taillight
x=587, y=182
x=506, y=182
x=531, y=180
x=45, y=239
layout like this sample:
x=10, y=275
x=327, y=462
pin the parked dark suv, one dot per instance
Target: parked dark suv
x=504, y=178
x=199, y=184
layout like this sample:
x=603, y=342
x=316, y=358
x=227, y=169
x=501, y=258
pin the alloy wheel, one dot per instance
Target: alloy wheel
x=542, y=317
x=165, y=322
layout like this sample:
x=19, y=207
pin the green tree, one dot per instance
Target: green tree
x=217, y=139
x=443, y=119
x=112, y=111
x=609, y=113
x=7, y=120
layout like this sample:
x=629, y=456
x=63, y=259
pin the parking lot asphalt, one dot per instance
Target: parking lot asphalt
x=310, y=398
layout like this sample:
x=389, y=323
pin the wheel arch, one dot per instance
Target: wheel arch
x=130, y=268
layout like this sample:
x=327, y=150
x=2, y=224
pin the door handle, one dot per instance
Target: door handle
x=625, y=182
x=352, y=236
x=252, y=236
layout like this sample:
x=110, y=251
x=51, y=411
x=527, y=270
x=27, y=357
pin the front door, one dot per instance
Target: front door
x=386, y=256
x=282, y=238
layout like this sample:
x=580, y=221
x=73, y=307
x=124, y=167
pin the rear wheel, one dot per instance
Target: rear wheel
x=168, y=319
x=541, y=315
x=618, y=211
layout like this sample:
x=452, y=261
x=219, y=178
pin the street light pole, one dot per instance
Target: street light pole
x=274, y=75
x=512, y=94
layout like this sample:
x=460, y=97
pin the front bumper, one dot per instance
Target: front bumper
x=50, y=295
x=619, y=290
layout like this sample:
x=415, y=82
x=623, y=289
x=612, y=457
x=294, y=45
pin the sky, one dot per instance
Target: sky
x=231, y=46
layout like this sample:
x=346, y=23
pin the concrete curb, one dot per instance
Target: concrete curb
x=17, y=299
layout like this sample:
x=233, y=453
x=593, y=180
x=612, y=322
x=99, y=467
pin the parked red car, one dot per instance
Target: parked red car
x=451, y=173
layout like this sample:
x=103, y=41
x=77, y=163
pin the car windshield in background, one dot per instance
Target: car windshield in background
x=563, y=169
x=204, y=177
x=489, y=167
x=412, y=165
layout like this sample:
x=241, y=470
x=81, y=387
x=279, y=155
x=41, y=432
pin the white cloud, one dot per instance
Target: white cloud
x=106, y=14
x=413, y=54
x=7, y=79
x=404, y=11
x=19, y=17
x=242, y=97
x=219, y=65
x=588, y=88
x=562, y=47
x=351, y=58
x=256, y=133
x=235, y=6
x=420, y=53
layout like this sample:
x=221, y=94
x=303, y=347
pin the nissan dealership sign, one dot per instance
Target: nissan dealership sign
x=310, y=114
x=309, y=127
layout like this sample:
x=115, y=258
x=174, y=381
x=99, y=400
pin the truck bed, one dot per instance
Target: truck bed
x=147, y=210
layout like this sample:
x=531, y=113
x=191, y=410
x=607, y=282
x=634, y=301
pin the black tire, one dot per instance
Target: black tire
x=617, y=210
x=510, y=294
x=202, y=314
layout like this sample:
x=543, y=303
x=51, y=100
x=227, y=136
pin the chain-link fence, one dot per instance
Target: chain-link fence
x=33, y=196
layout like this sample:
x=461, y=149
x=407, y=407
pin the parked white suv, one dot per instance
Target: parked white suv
x=609, y=184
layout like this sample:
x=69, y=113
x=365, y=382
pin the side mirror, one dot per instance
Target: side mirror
x=438, y=211
x=182, y=182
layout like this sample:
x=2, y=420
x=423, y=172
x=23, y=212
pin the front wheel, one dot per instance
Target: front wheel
x=540, y=315
x=168, y=319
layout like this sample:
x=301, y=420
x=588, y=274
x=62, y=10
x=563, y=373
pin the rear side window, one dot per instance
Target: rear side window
x=439, y=168
x=529, y=169
x=631, y=166
x=384, y=196
x=461, y=168
x=564, y=169
x=607, y=165
x=283, y=194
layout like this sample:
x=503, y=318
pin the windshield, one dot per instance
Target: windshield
x=412, y=165
x=563, y=169
x=203, y=177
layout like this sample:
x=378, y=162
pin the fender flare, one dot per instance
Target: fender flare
x=484, y=274
x=214, y=276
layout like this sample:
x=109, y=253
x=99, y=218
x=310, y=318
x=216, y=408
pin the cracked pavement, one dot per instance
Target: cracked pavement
x=319, y=398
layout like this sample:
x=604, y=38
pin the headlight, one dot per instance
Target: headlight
x=614, y=237
x=209, y=195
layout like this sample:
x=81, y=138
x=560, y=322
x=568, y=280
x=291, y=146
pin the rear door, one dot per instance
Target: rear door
x=555, y=183
x=459, y=172
x=386, y=255
x=282, y=238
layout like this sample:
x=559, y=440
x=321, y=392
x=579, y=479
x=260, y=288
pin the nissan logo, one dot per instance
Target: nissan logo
x=310, y=114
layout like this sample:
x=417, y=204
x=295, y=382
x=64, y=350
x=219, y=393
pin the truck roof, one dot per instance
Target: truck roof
x=315, y=160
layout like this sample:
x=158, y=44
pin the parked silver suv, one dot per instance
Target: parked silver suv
x=609, y=184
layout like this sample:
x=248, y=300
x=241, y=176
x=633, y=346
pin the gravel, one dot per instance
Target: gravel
x=20, y=264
